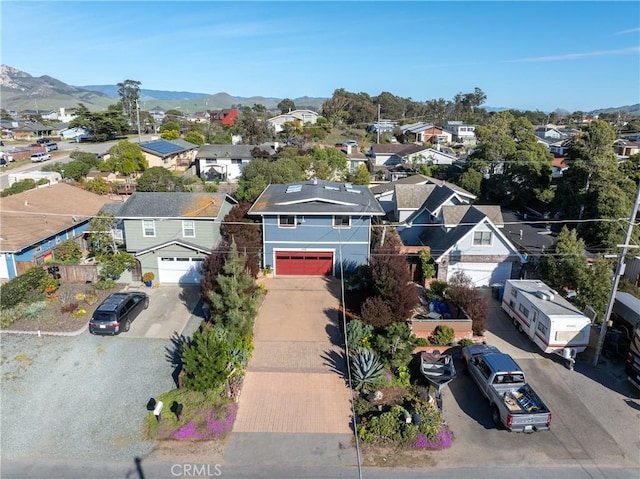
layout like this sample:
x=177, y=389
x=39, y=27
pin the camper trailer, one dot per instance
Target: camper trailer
x=549, y=320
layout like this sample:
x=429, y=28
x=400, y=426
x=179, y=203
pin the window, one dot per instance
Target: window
x=236, y=161
x=287, y=221
x=188, y=228
x=148, y=228
x=514, y=292
x=524, y=311
x=542, y=328
x=342, y=221
x=482, y=238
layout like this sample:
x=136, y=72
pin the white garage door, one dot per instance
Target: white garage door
x=482, y=274
x=4, y=271
x=179, y=270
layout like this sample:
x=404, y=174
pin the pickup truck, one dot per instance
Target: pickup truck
x=514, y=404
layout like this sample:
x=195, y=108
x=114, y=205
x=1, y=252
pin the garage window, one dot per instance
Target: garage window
x=287, y=221
x=482, y=238
x=188, y=229
x=148, y=228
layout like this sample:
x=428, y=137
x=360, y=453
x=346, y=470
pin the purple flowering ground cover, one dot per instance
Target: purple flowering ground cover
x=442, y=440
x=201, y=424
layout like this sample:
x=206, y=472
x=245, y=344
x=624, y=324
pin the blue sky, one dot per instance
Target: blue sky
x=527, y=55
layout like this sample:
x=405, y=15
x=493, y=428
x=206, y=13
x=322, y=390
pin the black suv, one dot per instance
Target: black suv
x=117, y=311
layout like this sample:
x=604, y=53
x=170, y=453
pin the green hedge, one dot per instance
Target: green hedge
x=15, y=290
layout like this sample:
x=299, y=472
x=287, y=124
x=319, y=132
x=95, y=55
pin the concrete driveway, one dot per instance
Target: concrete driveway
x=294, y=381
x=170, y=307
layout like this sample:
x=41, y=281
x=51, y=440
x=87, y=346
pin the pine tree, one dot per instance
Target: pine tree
x=205, y=360
x=234, y=304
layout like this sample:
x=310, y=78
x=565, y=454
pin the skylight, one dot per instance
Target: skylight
x=293, y=189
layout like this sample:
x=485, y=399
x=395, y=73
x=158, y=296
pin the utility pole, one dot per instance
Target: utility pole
x=616, y=276
x=138, y=115
x=378, y=128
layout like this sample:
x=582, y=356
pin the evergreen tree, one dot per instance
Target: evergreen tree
x=235, y=304
x=596, y=288
x=564, y=264
x=205, y=359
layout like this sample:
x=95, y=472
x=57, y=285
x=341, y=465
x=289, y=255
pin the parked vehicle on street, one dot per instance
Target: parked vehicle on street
x=43, y=140
x=514, y=404
x=51, y=146
x=38, y=157
x=549, y=320
x=116, y=313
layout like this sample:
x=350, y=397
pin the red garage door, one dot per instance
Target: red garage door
x=307, y=264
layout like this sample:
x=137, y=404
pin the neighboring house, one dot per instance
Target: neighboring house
x=386, y=154
x=226, y=117
x=52, y=177
x=74, y=133
x=170, y=234
x=461, y=132
x=31, y=130
x=67, y=116
x=422, y=155
x=355, y=158
x=35, y=221
x=316, y=227
x=225, y=162
x=157, y=114
x=402, y=209
x=558, y=166
x=302, y=116
x=626, y=147
x=171, y=155
x=547, y=133
x=468, y=238
x=426, y=133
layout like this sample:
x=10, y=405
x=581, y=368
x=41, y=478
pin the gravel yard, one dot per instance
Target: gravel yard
x=82, y=396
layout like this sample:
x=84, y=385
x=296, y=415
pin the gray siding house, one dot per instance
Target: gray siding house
x=170, y=234
x=316, y=227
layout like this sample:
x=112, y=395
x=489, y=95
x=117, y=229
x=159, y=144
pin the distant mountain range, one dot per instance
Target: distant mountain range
x=21, y=91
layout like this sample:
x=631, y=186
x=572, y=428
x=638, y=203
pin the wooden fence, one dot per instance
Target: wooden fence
x=81, y=273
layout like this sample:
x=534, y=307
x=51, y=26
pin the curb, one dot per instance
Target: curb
x=48, y=333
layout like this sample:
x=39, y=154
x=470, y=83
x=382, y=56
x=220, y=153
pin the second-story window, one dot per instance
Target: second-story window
x=188, y=228
x=341, y=221
x=482, y=238
x=287, y=221
x=148, y=228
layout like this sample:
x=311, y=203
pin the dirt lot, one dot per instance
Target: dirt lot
x=53, y=320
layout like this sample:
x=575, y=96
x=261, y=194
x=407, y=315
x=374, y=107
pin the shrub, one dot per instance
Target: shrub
x=105, y=284
x=79, y=312
x=376, y=312
x=17, y=289
x=396, y=344
x=90, y=297
x=437, y=288
x=205, y=359
x=443, y=335
x=8, y=316
x=68, y=252
x=422, y=342
x=357, y=333
x=465, y=342
x=33, y=310
x=68, y=308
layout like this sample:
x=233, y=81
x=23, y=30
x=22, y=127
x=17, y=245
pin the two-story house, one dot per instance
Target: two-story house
x=170, y=234
x=316, y=227
x=174, y=155
x=461, y=132
x=225, y=117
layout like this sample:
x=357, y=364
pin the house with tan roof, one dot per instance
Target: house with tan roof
x=35, y=221
x=170, y=234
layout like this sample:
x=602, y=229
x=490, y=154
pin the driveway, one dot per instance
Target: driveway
x=294, y=389
x=170, y=307
x=595, y=411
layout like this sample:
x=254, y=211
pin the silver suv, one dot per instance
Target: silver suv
x=38, y=157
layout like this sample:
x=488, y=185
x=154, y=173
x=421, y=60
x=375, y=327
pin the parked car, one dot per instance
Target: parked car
x=51, y=146
x=43, y=140
x=38, y=157
x=116, y=313
x=3, y=163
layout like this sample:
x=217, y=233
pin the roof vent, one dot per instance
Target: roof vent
x=545, y=295
x=293, y=189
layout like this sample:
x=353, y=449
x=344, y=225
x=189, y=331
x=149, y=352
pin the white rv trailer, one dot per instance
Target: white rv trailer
x=550, y=321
